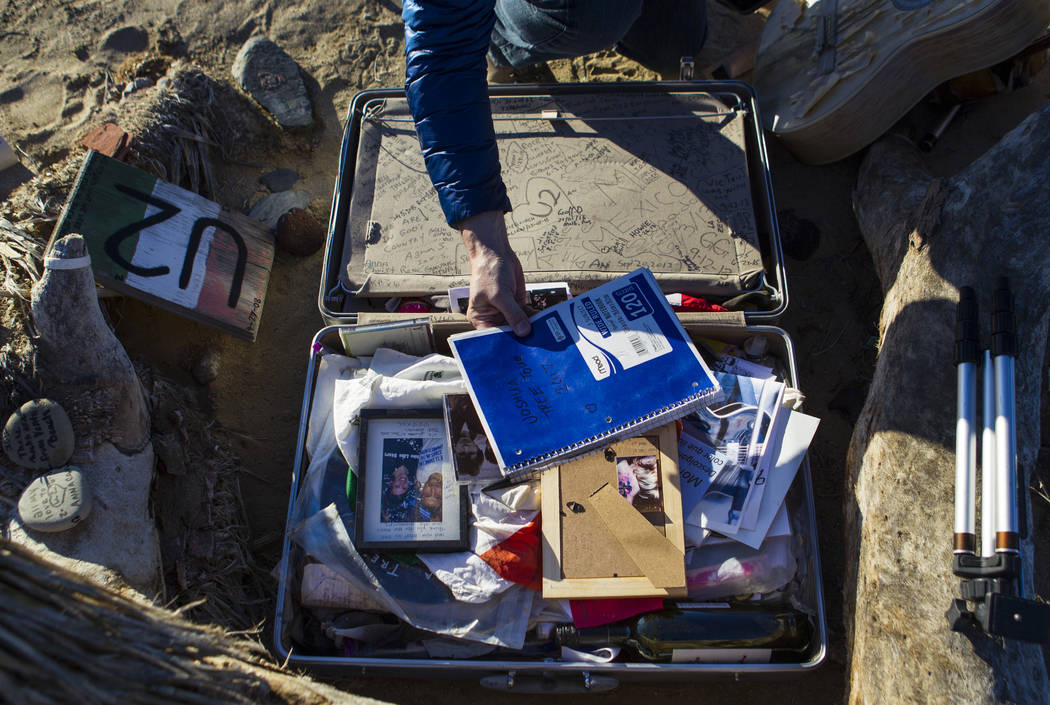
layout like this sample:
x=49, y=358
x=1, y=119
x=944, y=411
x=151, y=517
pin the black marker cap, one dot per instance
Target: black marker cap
x=966, y=338
x=1003, y=339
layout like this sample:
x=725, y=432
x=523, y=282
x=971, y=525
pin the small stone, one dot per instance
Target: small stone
x=273, y=79
x=270, y=208
x=137, y=85
x=39, y=435
x=55, y=501
x=206, y=366
x=279, y=179
x=128, y=40
x=299, y=233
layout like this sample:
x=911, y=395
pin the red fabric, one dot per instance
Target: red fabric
x=594, y=613
x=517, y=557
x=692, y=303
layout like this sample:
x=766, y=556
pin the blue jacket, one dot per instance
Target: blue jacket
x=445, y=79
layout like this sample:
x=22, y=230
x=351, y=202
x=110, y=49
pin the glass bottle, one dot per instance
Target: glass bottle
x=698, y=635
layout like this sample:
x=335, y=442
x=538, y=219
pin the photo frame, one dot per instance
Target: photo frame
x=637, y=550
x=407, y=494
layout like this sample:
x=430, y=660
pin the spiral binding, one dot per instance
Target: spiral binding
x=530, y=468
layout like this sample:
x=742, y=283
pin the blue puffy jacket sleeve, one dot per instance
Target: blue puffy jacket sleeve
x=445, y=79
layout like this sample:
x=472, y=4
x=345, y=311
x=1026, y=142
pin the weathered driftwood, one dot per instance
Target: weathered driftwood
x=929, y=237
x=86, y=369
x=82, y=361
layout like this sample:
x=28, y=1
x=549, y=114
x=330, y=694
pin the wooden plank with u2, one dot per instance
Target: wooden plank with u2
x=170, y=247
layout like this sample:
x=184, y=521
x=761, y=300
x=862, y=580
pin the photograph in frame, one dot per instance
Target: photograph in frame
x=407, y=494
x=582, y=557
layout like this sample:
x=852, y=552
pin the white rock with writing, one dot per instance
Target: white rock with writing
x=55, y=501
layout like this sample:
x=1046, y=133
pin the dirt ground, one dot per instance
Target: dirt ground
x=54, y=66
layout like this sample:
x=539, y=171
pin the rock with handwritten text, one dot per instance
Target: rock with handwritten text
x=55, y=501
x=272, y=78
x=39, y=435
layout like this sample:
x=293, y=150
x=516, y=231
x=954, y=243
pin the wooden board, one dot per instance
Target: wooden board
x=592, y=548
x=170, y=247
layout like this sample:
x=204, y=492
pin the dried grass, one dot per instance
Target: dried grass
x=64, y=640
x=200, y=513
x=175, y=129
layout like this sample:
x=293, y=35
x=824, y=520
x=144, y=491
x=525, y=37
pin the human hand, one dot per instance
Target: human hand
x=497, y=283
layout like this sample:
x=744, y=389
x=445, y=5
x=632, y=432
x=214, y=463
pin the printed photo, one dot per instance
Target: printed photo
x=473, y=458
x=638, y=478
x=431, y=498
x=540, y=299
x=538, y=296
x=400, y=492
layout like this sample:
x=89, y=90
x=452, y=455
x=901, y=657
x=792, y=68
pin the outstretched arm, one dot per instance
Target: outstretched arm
x=445, y=44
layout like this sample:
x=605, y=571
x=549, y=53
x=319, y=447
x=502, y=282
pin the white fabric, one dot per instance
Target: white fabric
x=496, y=521
x=332, y=367
x=469, y=577
x=320, y=437
x=394, y=381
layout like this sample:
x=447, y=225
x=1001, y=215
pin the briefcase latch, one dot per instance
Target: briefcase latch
x=550, y=682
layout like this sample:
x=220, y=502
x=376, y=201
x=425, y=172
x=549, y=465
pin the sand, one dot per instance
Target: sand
x=61, y=64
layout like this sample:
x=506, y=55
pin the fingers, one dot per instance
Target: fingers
x=516, y=319
x=504, y=310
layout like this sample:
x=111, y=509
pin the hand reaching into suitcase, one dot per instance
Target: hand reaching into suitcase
x=497, y=283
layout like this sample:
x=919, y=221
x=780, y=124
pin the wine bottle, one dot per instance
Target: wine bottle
x=702, y=635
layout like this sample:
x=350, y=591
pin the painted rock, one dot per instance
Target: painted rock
x=39, y=435
x=55, y=501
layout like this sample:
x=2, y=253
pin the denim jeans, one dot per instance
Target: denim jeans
x=655, y=33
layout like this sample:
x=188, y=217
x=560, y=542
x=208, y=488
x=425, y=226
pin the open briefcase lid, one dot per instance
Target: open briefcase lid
x=671, y=177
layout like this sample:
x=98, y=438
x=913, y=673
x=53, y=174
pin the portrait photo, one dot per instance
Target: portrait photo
x=638, y=480
x=472, y=457
x=407, y=494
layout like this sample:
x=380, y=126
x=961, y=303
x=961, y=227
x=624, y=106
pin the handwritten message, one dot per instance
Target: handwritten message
x=598, y=192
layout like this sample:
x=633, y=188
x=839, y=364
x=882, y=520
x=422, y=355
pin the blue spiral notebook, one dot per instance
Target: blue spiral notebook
x=607, y=364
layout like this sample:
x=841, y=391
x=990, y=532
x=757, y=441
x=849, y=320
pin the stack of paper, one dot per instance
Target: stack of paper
x=739, y=456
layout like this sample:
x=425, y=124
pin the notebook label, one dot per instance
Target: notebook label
x=617, y=330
